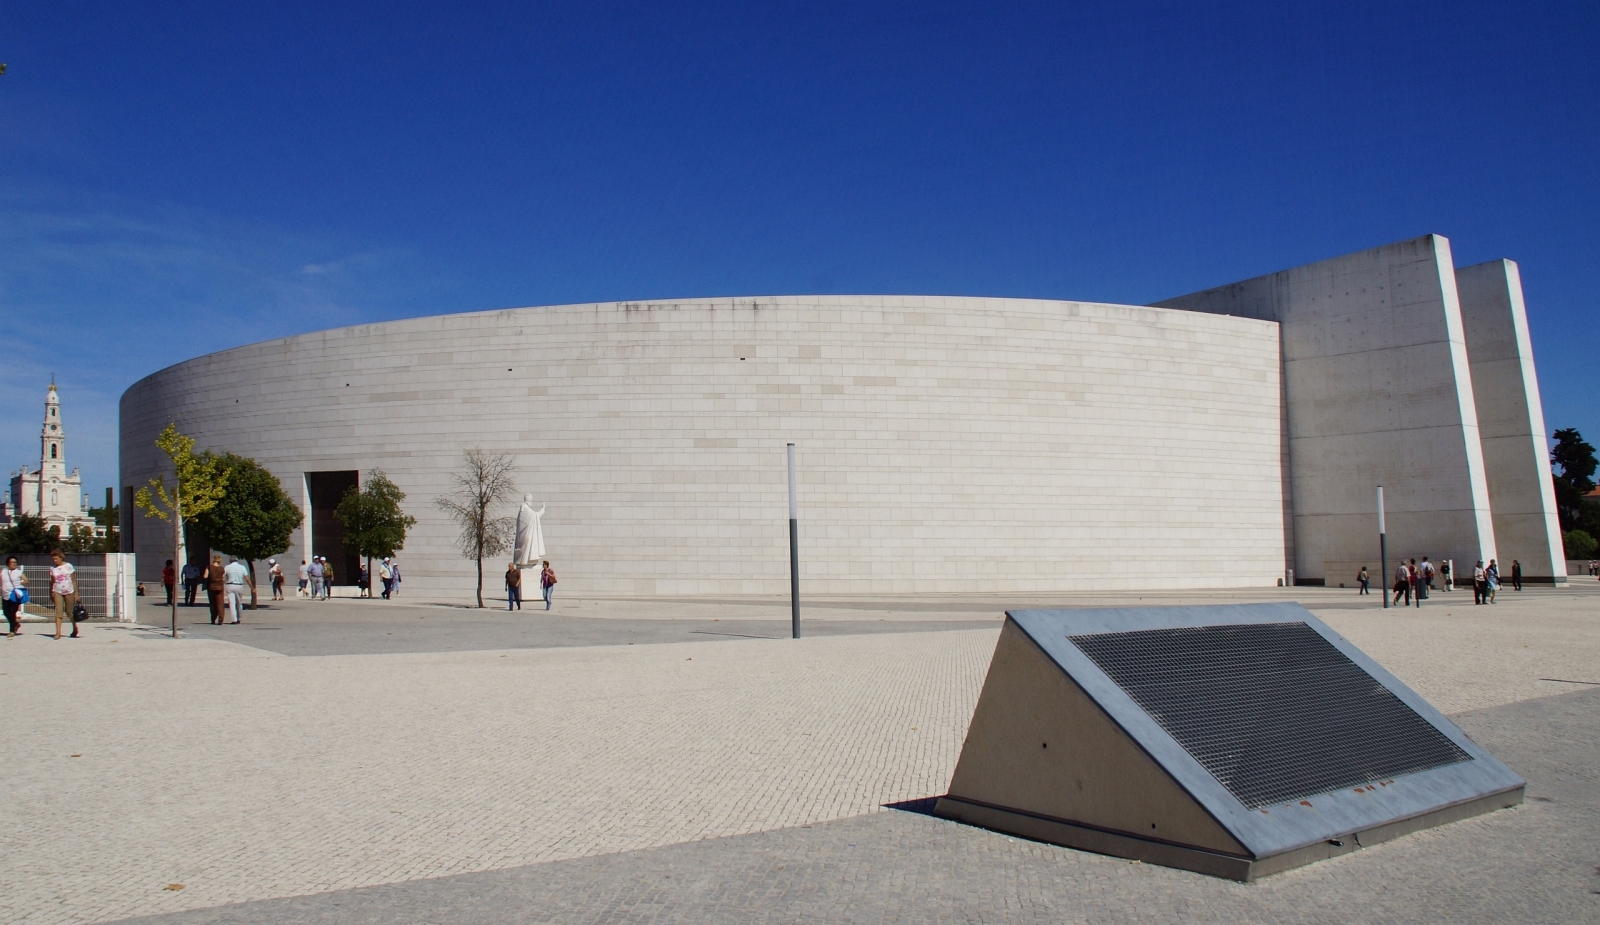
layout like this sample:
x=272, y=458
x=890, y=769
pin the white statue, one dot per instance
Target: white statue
x=529, y=548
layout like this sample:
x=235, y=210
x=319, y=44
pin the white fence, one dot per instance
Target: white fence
x=106, y=584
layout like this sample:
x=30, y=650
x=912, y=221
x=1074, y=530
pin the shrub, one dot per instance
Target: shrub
x=1579, y=544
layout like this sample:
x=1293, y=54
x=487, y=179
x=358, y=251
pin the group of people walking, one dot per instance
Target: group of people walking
x=1486, y=580
x=547, y=585
x=227, y=589
x=63, y=594
x=1414, y=581
x=225, y=582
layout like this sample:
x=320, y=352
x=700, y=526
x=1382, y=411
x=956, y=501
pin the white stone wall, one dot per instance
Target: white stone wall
x=945, y=444
x=1511, y=427
x=1378, y=393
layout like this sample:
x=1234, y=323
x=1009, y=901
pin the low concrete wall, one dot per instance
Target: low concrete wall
x=107, y=585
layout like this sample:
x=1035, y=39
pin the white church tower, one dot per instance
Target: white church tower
x=51, y=492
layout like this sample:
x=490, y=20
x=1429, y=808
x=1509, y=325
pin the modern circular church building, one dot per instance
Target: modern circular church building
x=944, y=444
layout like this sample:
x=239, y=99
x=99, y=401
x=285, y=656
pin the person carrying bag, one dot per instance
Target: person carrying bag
x=13, y=593
x=547, y=583
x=64, y=592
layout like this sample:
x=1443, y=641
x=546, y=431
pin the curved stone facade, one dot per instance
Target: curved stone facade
x=945, y=444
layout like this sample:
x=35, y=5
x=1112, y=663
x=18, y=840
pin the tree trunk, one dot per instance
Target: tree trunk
x=251, y=564
x=480, y=582
x=370, y=576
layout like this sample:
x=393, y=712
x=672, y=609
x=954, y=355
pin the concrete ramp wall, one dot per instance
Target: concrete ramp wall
x=1378, y=391
x=1511, y=426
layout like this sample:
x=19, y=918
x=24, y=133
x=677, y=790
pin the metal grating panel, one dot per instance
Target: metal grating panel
x=1272, y=710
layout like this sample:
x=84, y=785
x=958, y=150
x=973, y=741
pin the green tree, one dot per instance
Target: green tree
x=1579, y=545
x=374, y=524
x=1575, y=461
x=80, y=538
x=198, y=484
x=483, y=483
x=109, y=517
x=26, y=534
x=254, y=518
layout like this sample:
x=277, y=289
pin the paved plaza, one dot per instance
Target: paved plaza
x=672, y=761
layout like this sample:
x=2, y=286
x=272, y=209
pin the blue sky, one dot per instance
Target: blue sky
x=181, y=177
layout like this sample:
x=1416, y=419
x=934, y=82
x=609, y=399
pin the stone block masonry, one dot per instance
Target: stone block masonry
x=945, y=444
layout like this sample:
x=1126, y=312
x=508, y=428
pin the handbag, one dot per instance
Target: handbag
x=80, y=613
x=20, y=595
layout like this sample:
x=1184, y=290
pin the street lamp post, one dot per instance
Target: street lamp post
x=1383, y=553
x=794, y=552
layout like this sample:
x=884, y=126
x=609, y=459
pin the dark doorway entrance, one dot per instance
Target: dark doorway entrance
x=327, y=533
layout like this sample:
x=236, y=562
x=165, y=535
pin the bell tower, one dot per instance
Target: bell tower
x=52, y=439
x=52, y=456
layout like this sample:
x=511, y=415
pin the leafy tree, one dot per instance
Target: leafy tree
x=80, y=538
x=1575, y=459
x=109, y=517
x=1579, y=545
x=197, y=487
x=26, y=534
x=254, y=518
x=374, y=524
x=483, y=483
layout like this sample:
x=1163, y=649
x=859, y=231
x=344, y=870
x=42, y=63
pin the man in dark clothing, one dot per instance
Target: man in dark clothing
x=1516, y=574
x=191, y=583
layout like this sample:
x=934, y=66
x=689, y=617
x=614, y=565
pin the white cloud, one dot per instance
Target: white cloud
x=103, y=292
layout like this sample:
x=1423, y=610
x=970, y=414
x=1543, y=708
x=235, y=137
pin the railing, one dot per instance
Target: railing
x=106, y=585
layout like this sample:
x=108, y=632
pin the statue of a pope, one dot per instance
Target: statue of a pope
x=529, y=548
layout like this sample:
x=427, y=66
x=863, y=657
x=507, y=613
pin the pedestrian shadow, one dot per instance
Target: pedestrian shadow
x=922, y=806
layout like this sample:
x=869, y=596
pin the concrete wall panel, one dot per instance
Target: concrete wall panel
x=1511, y=419
x=1378, y=393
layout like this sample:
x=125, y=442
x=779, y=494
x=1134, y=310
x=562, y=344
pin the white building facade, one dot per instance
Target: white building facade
x=945, y=444
x=51, y=492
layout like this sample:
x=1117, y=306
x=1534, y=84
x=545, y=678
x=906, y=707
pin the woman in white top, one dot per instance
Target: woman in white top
x=63, y=590
x=12, y=581
x=275, y=578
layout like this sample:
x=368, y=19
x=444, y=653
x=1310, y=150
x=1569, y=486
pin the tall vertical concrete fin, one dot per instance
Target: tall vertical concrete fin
x=1379, y=392
x=1461, y=371
x=1511, y=420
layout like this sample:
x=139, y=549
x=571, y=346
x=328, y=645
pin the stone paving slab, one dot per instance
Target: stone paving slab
x=1534, y=863
x=133, y=760
x=421, y=629
x=142, y=761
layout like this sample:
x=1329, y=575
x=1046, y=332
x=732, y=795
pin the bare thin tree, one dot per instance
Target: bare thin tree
x=482, y=484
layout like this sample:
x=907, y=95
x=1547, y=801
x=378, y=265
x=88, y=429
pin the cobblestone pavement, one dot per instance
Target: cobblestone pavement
x=373, y=628
x=134, y=761
x=1534, y=863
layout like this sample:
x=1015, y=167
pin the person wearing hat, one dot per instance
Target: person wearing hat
x=275, y=578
